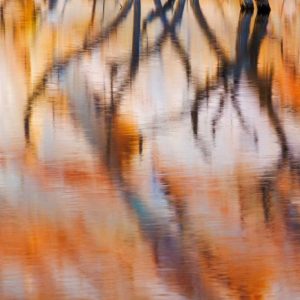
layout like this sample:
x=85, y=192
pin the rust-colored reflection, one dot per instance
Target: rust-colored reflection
x=149, y=150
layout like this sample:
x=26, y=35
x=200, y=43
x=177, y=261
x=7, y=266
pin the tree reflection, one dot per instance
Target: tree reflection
x=170, y=249
x=211, y=232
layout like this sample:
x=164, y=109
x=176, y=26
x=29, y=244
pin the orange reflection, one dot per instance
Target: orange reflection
x=147, y=151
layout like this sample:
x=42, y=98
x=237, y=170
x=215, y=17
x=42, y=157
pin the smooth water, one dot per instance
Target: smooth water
x=149, y=150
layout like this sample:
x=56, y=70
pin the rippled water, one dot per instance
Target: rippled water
x=149, y=150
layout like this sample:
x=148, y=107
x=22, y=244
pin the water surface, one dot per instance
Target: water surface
x=149, y=150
